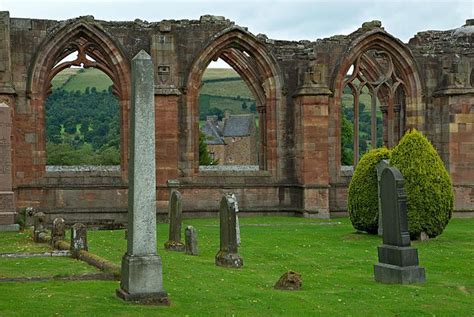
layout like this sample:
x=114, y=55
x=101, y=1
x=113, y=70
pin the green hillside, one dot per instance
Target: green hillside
x=72, y=79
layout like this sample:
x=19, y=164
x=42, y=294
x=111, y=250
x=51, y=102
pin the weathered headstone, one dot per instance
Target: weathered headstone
x=39, y=231
x=380, y=167
x=290, y=281
x=175, y=210
x=228, y=255
x=141, y=278
x=398, y=261
x=190, y=238
x=78, y=238
x=7, y=200
x=58, y=231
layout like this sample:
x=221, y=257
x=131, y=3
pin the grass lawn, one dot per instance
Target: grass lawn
x=335, y=262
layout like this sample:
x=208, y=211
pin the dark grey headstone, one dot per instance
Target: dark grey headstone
x=175, y=211
x=398, y=261
x=380, y=167
x=190, y=238
x=78, y=238
x=228, y=255
x=58, y=232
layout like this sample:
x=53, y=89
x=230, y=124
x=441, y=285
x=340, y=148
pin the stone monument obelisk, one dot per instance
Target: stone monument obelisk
x=141, y=279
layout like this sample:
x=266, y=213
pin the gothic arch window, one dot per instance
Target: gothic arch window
x=90, y=47
x=377, y=111
x=250, y=59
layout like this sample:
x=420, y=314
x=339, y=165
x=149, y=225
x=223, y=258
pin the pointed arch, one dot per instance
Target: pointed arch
x=88, y=38
x=404, y=71
x=250, y=57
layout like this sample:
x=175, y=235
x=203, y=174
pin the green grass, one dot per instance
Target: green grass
x=335, y=262
x=43, y=267
x=227, y=88
x=20, y=242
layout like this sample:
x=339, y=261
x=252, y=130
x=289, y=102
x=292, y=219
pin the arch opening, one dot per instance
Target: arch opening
x=257, y=68
x=228, y=120
x=85, y=55
x=378, y=104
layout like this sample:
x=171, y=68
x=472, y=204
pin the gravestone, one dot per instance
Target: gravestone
x=290, y=281
x=141, y=276
x=39, y=231
x=228, y=255
x=398, y=261
x=190, y=238
x=380, y=167
x=58, y=231
x=78, y=239
x=175, y=211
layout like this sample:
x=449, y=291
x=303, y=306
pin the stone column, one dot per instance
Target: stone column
x=312, y=124
x=7, y=202
x=398, y=261
x=141, y=279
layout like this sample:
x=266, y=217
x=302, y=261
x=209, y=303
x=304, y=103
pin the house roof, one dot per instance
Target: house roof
x=238, y=125
x=212, y=135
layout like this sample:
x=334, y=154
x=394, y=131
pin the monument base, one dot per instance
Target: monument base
x=142, y=281
x=233, y=260
x=159, y=299
x=398, y=256
x=174, y=246
x=393, y=274
x=13, y=227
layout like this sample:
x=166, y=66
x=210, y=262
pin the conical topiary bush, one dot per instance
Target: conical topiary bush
x=430, y=198
x=363, y=205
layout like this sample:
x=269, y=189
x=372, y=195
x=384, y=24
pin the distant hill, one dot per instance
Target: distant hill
x=72, y=79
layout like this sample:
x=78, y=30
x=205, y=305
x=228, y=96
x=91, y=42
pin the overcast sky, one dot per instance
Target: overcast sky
x=292, y=20
x=285, y=20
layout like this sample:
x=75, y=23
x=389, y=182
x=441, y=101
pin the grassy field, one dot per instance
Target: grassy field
x=72, y=79
x=336, y=264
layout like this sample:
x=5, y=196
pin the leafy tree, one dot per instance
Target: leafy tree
x=244, y=105
x=347, y=152
x=204, y=158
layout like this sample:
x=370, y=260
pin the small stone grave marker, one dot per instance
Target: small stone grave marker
x=228, y=255
x=78, y=238
x=175, y=211
x=289, y=281
x=190, y=238
x=58, y=231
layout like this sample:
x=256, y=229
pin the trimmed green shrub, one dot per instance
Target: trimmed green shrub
x=363, y=204
x=430, y=198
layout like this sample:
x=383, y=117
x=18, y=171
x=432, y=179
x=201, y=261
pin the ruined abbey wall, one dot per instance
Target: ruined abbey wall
x=298, y=88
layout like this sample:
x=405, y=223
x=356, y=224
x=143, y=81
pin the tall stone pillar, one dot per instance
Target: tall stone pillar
x=167, y=98
x=141, y=279
x=312, y=103
x=454, y=101
x=7, y=202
